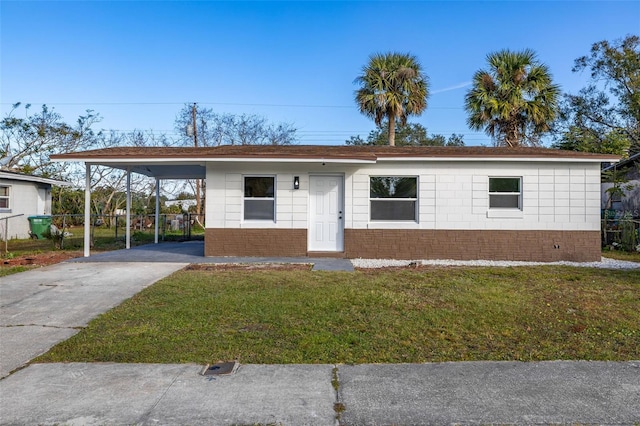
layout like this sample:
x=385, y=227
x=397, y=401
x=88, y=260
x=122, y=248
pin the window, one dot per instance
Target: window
x=4, y=198
x=393, y=197
x=616, y=201
x=505, y=193
x=259, y=199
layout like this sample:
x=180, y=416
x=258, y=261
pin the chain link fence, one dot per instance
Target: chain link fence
x=621, y=232
x=108, y=232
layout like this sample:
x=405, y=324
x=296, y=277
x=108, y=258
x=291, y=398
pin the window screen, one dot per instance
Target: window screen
x=393, y=198
x=505, y=193
x=259, y=199
x=4, y=197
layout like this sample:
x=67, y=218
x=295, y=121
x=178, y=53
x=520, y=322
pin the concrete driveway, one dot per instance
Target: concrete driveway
x=42, y=307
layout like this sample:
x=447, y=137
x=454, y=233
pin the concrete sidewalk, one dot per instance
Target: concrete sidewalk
x=558, y=392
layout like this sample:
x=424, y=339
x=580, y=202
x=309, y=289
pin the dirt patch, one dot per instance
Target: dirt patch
x=40, y=259
x=419, y=268
x=248, y=267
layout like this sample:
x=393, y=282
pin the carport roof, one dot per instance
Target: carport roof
x=190, y=162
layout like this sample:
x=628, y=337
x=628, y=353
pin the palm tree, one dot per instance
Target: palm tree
x=393, y=87
x=514, y=101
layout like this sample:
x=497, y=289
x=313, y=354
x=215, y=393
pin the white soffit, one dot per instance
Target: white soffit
x=202, y=161
x=499, y=159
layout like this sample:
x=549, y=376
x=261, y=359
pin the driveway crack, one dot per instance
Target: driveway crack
x=43, y=325
x=146, y=416
x=338, y=405
x=47, y=287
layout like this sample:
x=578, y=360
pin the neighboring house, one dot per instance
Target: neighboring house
x=26, y=195
x=183, y=204
x=386, y=202
x=630, y=201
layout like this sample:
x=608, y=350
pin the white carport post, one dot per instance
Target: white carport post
x=87, y=210
x=128, y=231
x=155, y=240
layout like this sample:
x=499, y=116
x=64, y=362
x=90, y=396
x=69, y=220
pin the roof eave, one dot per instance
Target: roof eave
x=504, y=158
x=262, y=159
x=35, y=179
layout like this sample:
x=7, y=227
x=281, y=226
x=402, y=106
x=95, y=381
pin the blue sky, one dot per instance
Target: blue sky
x=137, y=63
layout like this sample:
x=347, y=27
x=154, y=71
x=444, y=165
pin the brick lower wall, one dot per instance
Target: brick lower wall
x=543, y=246
x=255, y=242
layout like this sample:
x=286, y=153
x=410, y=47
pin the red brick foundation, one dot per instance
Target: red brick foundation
x=542, y=246
x=255, y=242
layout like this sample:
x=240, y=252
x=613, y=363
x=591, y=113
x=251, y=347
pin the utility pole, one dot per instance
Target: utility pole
x=195, y=144
x=195, y=128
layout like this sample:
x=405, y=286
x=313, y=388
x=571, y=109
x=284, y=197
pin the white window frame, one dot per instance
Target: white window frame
x=415, y=200
x=6, y=197
x=519, y=194
x=245, y=198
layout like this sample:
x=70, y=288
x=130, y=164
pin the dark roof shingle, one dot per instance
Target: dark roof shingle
x=329, y=152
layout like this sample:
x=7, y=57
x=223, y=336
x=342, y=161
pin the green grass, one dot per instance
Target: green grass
x=394, y=316
x=622, y=255
x=104, y=239
x=9, y=270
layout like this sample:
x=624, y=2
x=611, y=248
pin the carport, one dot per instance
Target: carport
x=158, y=163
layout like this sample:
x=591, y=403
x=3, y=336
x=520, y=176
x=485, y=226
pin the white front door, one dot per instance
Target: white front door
x=326, y=229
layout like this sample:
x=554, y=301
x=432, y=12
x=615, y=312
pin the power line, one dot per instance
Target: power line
x=199, y=103
x=304, y=133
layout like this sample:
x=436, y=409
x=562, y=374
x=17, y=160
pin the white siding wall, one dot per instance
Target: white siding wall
x=24, y=198
x=225, y=193
x=455, y=196
x=451, y=195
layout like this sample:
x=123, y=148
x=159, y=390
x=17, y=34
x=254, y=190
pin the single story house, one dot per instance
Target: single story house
x=531, y=204
x=22, y=196
x=630, y=200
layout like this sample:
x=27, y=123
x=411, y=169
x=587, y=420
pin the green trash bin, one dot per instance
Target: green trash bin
x=39, y=226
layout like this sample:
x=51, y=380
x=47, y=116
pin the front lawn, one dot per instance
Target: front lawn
x=378, y=316
x=622, y=255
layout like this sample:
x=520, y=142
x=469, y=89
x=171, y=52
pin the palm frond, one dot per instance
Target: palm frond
x=514, y=100
x=392, y=85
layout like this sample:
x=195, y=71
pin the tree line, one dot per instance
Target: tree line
x=28, y=139
x=514, y=100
